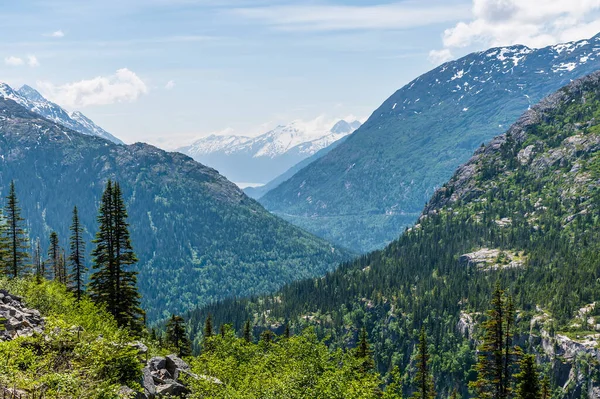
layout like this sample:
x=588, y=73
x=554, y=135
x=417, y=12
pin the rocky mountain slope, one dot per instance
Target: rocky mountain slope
x=36, y=103
x=523, y=212
x=263, y=158
x=366, y=191
x=198, y=237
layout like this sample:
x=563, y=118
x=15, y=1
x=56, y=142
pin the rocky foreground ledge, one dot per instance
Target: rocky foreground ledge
x=16, y=320
x=164, y=377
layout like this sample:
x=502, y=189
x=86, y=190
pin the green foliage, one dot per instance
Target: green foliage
x=176, y=336
x=364, y=352
x=423, y=381
x=496, y=356
x=528, y=383
x=83, y=353
x=298, y=367
x=16, y=236
x=54, y=261
x=393, y=388
x=77, y=257
x=113, y=284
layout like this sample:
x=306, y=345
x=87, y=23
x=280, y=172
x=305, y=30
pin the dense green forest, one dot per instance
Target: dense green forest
x=197, y=236
x=523, y=212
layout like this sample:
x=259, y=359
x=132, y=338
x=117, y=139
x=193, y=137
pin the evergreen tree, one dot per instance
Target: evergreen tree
x=496, y=355
x=266, y=337
x=54, y=256
x=393, y=390
x=247, y=331
x=222, y=331
x=286, y=332
x=64, y=276
x=17, y=237
x=423, y=379
x=177, y=337
x=528, y=384
x=4, y=245
x=76, y=256
x=509, y=352
x=38, y=263
x=112, y=283
x=129, y=312
x=545, y=388
x=208, y=328
x=364, y=353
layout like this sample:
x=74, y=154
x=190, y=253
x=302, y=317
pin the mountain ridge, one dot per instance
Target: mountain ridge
x=262, y=158
x=378, y=180
x=31, y=99
x=199, y=238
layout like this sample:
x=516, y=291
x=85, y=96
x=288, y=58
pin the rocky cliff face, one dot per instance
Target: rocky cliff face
x=538, y=156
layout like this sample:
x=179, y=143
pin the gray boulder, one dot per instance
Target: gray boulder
x=175, y=365
x=171, y=387
x=17, y=320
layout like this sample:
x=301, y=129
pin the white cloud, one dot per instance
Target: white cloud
x=123, y=86
x=13, y=61
x=438, y=57
x=32, y=61
x=328, y=18
x=170, y=85
x=528, y=22
x=56, y=34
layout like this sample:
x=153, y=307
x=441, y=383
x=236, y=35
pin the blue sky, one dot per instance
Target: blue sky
x=169, y=71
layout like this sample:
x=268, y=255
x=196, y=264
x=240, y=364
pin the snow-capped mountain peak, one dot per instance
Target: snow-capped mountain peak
x=31, y=99
x=31, y=94
x=304, y=137
x=262, y=158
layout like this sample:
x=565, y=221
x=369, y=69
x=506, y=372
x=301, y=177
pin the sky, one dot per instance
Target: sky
x=167, y=72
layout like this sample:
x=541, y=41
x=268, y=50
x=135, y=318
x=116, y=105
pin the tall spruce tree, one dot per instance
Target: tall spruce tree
x=423, y=380
x=38, y=261
x=364, y=352
x=496, y=356
x=208, y=327
x=177, y=337
x=545, y=389
x=17, y=237
x=528, y=383
x=76, y=256
x=54, y=256
x=247, y=331
x=4, y=252
x=113, y=284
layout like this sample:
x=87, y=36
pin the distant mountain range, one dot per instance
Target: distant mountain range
x=198, y=237
x=31, y=99
x=367, y=190
x=263, y=158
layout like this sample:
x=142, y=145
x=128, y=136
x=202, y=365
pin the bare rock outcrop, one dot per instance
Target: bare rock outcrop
x=16, y=320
